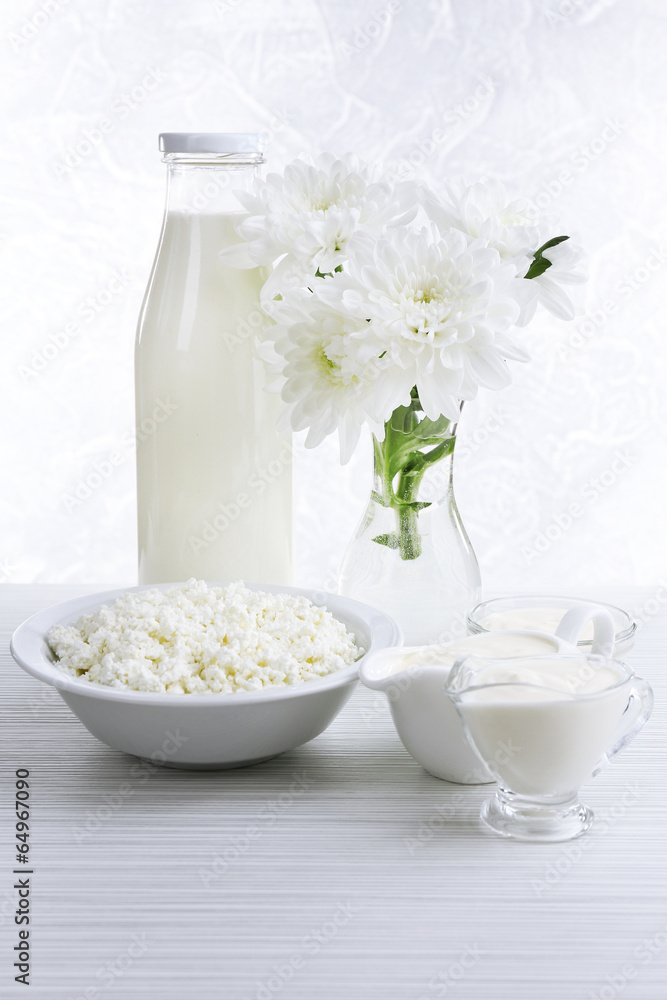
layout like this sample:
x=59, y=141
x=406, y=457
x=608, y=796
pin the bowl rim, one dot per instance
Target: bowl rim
x=29, y=648
x=622, y=634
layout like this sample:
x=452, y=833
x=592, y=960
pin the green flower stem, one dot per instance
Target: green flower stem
x=401, y=458
x=407, y=490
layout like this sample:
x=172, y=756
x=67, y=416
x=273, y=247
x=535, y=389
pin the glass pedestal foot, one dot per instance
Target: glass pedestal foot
x=538, y=819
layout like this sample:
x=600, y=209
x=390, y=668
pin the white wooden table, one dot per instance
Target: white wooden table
x=339, y=871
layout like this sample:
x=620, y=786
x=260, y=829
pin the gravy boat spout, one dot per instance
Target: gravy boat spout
x=414, y=665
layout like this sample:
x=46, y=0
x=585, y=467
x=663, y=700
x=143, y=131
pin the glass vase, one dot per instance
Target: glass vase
x=411, y=556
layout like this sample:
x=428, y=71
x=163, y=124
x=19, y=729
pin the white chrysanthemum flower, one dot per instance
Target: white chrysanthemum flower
x=439, y=307
x=366, y=308
x=484, y=211
x=307, y=215
x=315, y=351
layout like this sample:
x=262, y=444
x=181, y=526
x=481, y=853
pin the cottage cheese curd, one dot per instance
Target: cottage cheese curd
x=196, y=639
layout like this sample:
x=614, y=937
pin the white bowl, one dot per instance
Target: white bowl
x=203, y=732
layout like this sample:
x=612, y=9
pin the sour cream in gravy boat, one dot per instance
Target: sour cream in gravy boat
x=413, y=679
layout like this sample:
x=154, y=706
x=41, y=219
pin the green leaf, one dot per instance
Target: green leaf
x=405, y=453
x=402, y=450
x=553, y=242
x=403, y=420
x=413, y=505
x=427, y=429
x=541, y=263
x=421, y=460
x=403, y=456
x=391, y=541
x=429, y=442
x=537, y=268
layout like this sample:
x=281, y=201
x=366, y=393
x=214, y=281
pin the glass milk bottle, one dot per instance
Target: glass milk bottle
x=214, y=476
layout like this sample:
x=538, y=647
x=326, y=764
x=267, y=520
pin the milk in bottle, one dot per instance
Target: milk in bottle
x=214, y=476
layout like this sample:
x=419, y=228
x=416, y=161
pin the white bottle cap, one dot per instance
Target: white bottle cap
x=211, y=142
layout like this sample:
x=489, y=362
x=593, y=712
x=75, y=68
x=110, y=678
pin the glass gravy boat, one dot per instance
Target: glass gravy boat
x=543, y=726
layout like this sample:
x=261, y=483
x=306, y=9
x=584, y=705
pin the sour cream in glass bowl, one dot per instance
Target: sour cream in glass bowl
x=543, y=614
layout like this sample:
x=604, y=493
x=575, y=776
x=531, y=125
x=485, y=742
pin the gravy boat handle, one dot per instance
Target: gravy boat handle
x=641, y=694
x=604, y=628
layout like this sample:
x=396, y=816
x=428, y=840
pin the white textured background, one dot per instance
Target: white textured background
x=563, y=99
